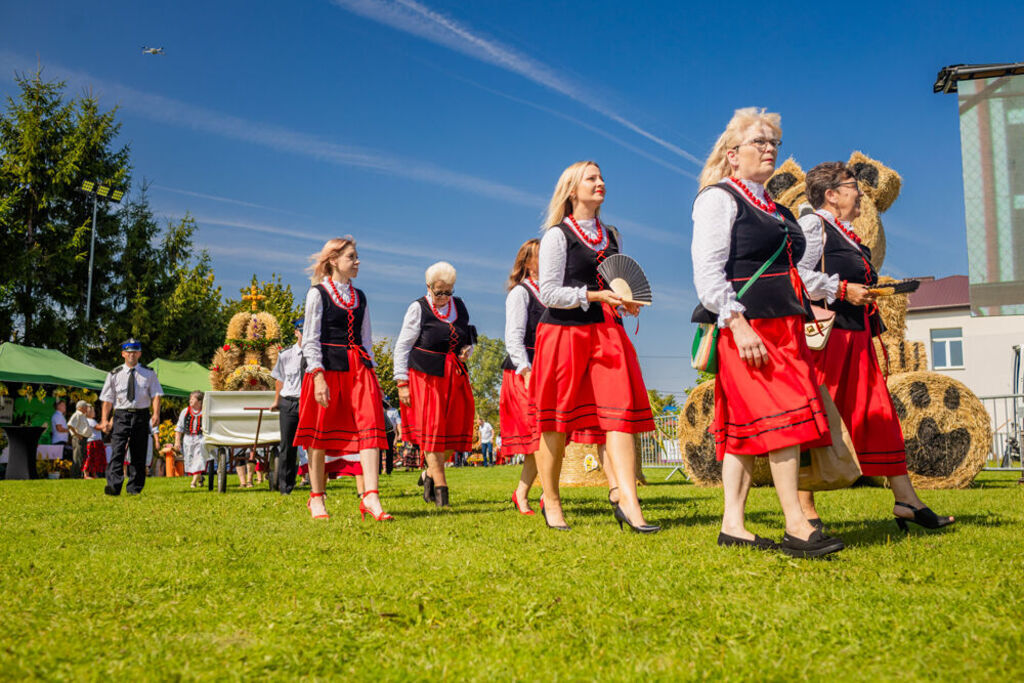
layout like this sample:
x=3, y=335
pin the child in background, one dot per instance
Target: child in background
x=188, y=438
x=95, y=450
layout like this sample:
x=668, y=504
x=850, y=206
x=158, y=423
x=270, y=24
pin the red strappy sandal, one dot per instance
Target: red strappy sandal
x=363, y=510
x=309, y=505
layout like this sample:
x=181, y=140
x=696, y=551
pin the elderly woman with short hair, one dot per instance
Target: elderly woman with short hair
x=433, y=381
x=837, y=269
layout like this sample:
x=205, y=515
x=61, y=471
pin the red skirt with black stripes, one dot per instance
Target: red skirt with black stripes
x=441, y=409
x=354, y=417
x=854, y=378
x=586, y=379
x=518, y=417
x=777, y=405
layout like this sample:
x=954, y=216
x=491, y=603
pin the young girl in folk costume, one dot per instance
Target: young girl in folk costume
x=95, y=450
x=340, y=409
x=767, y=400
x=523, y=310
x=188, y=437
x=433, y=382
x=586, y=377
x=839, y=270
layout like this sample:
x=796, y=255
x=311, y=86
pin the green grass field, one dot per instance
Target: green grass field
x=190, y=584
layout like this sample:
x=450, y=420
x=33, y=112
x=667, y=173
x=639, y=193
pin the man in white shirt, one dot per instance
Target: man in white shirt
x=80, y=431
x=132, y=391
x=287, y=374
x=486, y=442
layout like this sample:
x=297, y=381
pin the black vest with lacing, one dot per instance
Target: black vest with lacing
x=853, y=264
x=534, y=311
x=581, y=263
x=438, y=338
x=340, y=330
x=193, y=423
x=756, y=235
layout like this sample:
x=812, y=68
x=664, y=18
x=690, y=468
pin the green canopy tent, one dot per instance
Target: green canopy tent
x=46, y=366
x=180, y=378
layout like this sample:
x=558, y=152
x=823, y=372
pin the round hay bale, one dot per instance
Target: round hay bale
x=893, y=310
x=946, y=428
x=698, y=446
x=904, y=356
x=868, y=227
x=787, y=186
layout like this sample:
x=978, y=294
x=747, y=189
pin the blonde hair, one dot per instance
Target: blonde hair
x=519, y=270
x=440, y=271
x=320, y=263
x=560, y=205
x=717, y=166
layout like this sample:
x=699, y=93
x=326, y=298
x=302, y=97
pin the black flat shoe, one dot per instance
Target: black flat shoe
x=816, y=545
x=440, y=495
x=817, y=523
x=111, y=491
x=923, y=517
x=620, y=517
x=758, y=542
x=428, y=489
x=544, y=514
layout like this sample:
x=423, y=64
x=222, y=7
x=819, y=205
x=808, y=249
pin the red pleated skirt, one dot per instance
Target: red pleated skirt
x=586, y=378
x=441, y=409
x=518, y=417
x=853, y=377
x=763, y=409
x=95, y=457
x=354, y=417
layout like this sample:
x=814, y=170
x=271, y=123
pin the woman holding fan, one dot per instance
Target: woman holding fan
x=586, y=377
x=838, y=269
x=767, y=401
x=433, y=383
x=340, y=408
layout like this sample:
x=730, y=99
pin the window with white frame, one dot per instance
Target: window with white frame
x=947, y=348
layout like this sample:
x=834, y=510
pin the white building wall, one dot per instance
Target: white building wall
x=988, y=344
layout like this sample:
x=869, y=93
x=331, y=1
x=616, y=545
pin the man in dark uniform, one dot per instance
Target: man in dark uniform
x=288, y=373
x=133, y=392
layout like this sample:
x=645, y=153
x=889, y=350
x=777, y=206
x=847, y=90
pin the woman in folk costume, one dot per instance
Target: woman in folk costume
x=586, y=377
x=523, y=310
x=431, y=352
x=188, y=437
x=837, y=268
x=767, y=400
x=95, y=449
x=340, y=409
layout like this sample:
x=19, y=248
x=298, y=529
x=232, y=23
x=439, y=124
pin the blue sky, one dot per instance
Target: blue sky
x=437, y=129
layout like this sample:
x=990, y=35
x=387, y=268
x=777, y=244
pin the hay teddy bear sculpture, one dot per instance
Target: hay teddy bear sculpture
x=945, y=426
x=250, y=350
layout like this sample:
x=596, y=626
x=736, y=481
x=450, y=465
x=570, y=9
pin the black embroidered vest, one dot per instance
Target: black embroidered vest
x=534, y=311
x=341, y=329
x=193, y=423
x=853, y=264
x=581, y=271
x=437, y=337
x=755, y=237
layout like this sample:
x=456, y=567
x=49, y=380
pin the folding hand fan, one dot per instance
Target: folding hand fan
x=626, y=278
x=901, y=287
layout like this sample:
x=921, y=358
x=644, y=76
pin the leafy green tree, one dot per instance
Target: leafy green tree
x=485, y=375
x=384, y=357
x=280, y=301
x=660, y=401
x=48, y=146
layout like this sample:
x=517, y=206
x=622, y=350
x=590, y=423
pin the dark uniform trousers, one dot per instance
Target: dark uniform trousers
x=288, y=461
x=131, y=430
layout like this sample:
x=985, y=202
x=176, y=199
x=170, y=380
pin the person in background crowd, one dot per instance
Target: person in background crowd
x=78, y=426
x=287, y=374
x=59, y=428
x=430, y=356
x=132, y=393
x=188, y=438
x=95, y=449
x=486, y=442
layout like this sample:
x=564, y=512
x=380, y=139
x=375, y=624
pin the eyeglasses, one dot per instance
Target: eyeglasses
x=762, y=143
x=442, y=292
x=847, y=183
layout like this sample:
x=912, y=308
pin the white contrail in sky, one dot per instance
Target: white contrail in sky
x=412, y=17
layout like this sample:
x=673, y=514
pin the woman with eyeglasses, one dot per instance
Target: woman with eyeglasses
x=586, y=376
x=431, y=352
x=767, y=402
x=837, y=268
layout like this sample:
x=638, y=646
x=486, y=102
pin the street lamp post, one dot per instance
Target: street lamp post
x=97, y=191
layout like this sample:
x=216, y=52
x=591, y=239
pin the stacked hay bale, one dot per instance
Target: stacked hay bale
x=581, y=466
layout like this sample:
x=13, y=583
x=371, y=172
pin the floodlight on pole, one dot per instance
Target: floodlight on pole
x=101, y=191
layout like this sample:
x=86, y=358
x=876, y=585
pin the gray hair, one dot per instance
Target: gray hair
x=442, y=271
x=81, y=404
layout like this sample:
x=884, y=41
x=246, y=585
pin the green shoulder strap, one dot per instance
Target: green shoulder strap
x=764, y=267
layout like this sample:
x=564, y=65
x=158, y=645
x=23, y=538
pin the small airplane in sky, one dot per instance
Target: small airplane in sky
x=152, y=50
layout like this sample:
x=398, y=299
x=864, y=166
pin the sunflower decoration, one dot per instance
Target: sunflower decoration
x=3, y=390
x=166, y=430
x=90, y=396
x=60, y=392
x=590, y=463
x=26, y=392
x=41, y=394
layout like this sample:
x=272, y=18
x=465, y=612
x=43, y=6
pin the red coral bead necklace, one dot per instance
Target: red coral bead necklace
x=592, y=241
x=767, y=205
x=339, y=299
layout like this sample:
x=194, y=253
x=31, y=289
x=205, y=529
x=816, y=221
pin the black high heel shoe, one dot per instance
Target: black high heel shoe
x=621, y=517
x=923, y=517
x=544, y=514
x=611, y=502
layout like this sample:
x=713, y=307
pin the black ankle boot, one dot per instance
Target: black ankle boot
x=428, y=489
x=441, y=496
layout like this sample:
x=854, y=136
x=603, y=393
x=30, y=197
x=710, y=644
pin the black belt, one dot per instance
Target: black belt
x=130, y=410
x=290, y=398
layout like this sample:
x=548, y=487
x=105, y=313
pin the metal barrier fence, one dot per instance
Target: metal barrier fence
x=660, y=448
x=1006, y=415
